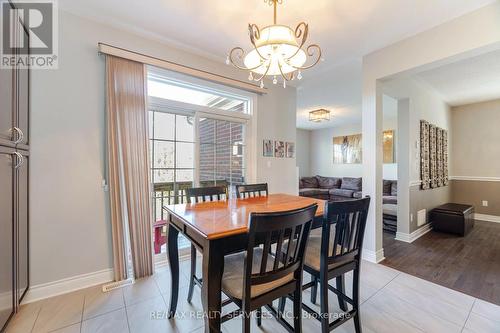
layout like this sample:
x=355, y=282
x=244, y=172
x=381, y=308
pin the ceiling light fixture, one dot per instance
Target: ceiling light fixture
x=320, y=115
x=278, y=50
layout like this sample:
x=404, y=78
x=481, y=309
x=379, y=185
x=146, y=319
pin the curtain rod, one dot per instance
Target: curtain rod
x=157, y=62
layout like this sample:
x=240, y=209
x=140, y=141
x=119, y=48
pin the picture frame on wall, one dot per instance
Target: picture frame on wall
x=267, y=148
x=279, y=149
x=290, y=149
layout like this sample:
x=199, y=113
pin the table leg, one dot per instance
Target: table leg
x=213, y=266
x=173, y=260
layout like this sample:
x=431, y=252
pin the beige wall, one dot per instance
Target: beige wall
x=303, y=152
x=474, y=192
x=476, y=140
x=69, y=227
x=476, y=156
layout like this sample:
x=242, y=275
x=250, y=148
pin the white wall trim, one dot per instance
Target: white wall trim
x=410, y=238
x=476, y=178
x=415, y=183
x=487, y=218
x=63, y=286
x=373, y=256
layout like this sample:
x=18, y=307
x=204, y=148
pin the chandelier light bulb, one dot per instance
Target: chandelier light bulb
x=250, y=77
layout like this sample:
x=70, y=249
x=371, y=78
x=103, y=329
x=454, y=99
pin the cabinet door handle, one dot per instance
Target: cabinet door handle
x=20, y=135
x=20, y=160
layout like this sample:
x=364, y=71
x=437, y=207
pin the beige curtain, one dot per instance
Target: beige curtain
x=128, y=150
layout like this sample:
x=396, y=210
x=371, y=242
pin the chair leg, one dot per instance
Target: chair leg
x=192, y=274
x=355, y=298
x=314, y=289
x=259, y=317
x=341, y=287
x=246, y=319
x=323, y=299
x=297, y=309
x=281, y=306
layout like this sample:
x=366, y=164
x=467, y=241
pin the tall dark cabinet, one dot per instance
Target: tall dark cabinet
x=14, y=186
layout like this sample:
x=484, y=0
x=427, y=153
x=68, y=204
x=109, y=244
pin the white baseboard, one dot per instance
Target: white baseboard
x=487, y=218
x=410, y=238
x=373, y=256
x=46, y=290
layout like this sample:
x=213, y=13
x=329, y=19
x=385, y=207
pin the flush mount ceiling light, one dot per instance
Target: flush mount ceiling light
x=320, y=115
x=278, y=50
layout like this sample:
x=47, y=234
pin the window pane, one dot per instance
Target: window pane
x=222, y=175
x=164, y=125
x=207, y=163
x=184, y=128
x=238, y=176
x=237, y=160
x=184, y=176
x=184, y=155
x=223, y=132
x=163, y=154
x=223, y=155
x=237, y=132
x=163, y=176
x=177, y=91
x=207, y=130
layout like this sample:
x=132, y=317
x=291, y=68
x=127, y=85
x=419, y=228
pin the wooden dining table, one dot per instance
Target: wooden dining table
x=218, y=228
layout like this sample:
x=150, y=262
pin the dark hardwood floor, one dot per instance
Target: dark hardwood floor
x=468, y=264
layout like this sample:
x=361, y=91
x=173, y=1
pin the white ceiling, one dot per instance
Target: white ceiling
x=469, y=81
x=345, y=29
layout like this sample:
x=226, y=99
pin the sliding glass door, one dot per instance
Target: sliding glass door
x=197, y=139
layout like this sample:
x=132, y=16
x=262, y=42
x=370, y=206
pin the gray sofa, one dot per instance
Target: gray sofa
x=345, y=188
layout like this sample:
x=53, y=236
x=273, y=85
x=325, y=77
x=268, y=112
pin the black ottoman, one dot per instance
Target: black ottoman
x=453, y=218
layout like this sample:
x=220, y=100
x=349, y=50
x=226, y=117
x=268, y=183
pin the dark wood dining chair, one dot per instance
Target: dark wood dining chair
x=201, y=194
x=254, y=278
x=251, y=190
x=332, y=254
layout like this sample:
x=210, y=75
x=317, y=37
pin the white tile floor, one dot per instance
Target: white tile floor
x=391, y=302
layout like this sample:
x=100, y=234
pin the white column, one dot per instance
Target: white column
x=372, y=167
x=404, y=150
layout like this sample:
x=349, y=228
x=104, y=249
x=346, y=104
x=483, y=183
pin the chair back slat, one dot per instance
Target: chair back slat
x=251, y=190
x=204, y=194
x=274, y=229
x=349, y=220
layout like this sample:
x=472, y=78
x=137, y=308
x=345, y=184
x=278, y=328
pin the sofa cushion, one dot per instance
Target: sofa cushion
x=342, y=193
x=309, y=182
x=328, y=182
x=390, y=199
x=386, y=189
x=358, y=195
x=349, y=183
x=312, y=191
x=394, y=188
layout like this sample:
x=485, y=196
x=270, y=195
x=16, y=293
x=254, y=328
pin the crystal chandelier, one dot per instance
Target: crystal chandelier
x=320, y=115
x=277, y=51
